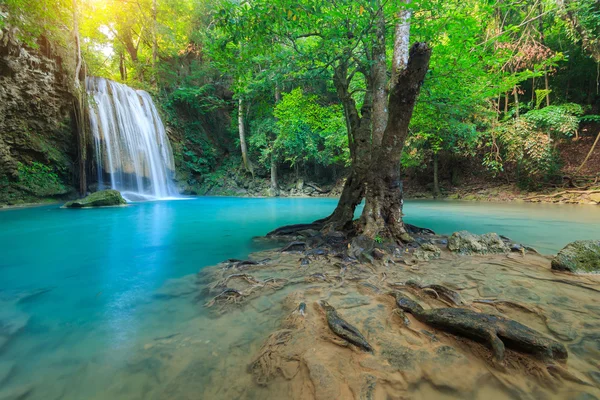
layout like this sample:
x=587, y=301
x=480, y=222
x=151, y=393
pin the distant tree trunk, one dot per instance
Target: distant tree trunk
x=122, y=67
x=274, y=185
x=547, y=87
x=246, y=161
x=516, y=94
x=436, y=183
x=79, y=108
x=154, y=42
x=382, y=214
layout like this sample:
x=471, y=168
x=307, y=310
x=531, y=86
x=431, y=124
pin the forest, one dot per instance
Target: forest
x=305, y=200
x=258, y=97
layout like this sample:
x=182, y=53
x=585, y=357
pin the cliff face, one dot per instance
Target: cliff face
x=37, y=147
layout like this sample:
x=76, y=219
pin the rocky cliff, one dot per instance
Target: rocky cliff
x=37, y=147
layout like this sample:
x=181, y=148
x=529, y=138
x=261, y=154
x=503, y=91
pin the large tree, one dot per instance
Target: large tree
x=349, y=41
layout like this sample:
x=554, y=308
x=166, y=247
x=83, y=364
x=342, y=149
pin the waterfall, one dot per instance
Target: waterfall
x=131, y=148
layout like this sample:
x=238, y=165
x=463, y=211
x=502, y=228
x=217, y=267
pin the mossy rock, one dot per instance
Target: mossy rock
x=579, y=256
x=103, y=198
x=464, y=242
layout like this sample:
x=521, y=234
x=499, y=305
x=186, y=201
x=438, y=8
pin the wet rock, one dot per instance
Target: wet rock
x=325, y=383
x=464, y=242
x=406, y=238
x=561, y=327
x=103, y=198
x=579, y=256
x=427, y=252
x=401, y=357
x=353, y=300
x=367, y=390
x=361, y=244
x=595, y=375
x=294, y=246
x=378, y=254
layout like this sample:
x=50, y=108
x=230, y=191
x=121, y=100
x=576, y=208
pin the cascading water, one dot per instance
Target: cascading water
x=132, y=150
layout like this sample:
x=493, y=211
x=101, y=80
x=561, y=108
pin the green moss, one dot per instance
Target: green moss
x=579, y=256
x=102, y=198
x=40, y=180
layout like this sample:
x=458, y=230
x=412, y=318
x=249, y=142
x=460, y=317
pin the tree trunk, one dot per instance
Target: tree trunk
x=401, y=43
x=79, y=104
x=379, y=81
x=274, y=186
x=122, y=67
x=154, y=42
x=247, y=164
x=436, y=183
x=359, y=140
x=516, y=94
x=382, y=214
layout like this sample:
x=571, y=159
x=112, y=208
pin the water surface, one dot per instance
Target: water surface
x=78, y=287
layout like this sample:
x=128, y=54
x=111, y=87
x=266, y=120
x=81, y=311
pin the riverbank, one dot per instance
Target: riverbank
x=298, y=354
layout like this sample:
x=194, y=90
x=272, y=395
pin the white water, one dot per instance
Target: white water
x=132, y=150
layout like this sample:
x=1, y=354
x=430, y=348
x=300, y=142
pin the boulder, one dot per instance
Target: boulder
x=427, y=252
x=468, y=243
x=103, y=198
x=579, y=256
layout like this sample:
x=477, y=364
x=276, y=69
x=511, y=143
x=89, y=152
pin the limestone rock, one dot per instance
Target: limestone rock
x=579, y=256
x=102, y=198
x=427, y=252
x=468, y=243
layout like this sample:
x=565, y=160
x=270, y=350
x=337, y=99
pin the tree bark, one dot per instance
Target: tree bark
x=242, y=130
x=401, y=43
x=359, y=139
x=382, y=215
x=516, y=95
x=79, y=104
x=274, y=186
x=436, y=182
x=379, y=80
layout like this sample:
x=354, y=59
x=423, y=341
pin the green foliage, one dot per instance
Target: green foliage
x=557, y=121
x=40, y=179
x=308, y=131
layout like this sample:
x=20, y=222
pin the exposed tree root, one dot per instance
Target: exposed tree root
x=268, y=364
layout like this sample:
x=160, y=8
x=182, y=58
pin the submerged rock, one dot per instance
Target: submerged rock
x=102, y=198
x=579, y=256
x=468, y=243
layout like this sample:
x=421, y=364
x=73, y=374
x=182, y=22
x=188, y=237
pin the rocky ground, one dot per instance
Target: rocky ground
x=370, y=349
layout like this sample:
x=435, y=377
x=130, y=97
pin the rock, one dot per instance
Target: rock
x=103, y=198
x=406, y=238
x=595, y=197
x=427, y=252
x=378, y=254
x=467, y=243
x=360, y=245
x=579, y=256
